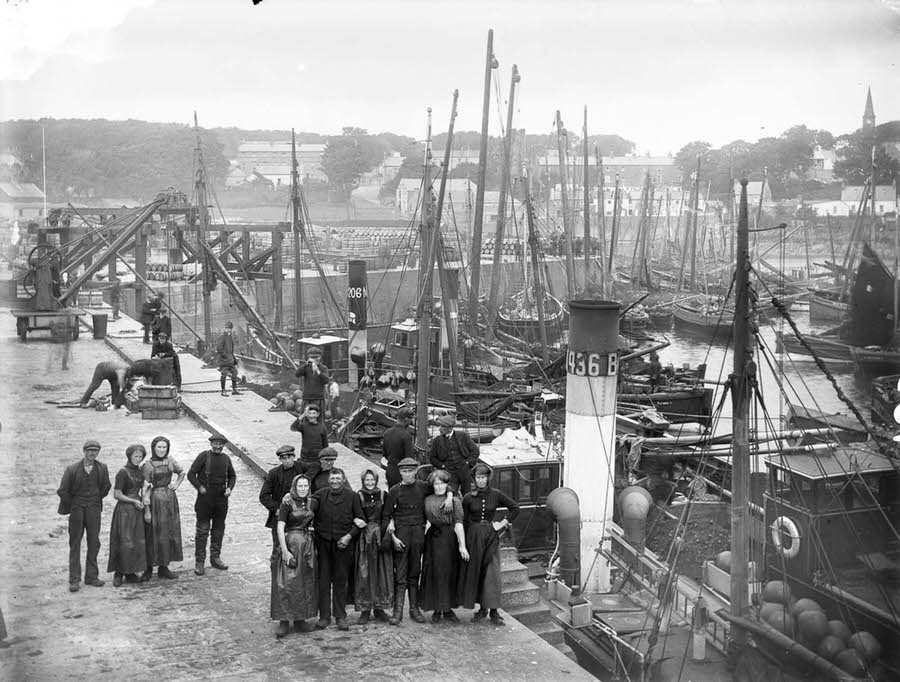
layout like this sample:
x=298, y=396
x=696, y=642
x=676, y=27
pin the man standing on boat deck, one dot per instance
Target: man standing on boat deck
x=315, y=377
x=213, y=475
x=226, y=360
x=654, y=372
x=397, y=444
x=454, y=451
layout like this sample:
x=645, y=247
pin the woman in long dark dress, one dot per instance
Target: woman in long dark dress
x=162, y=516
x=481, y=579
x=127, y=548
x=374, y=575
x=445, y=545
x=295, y=586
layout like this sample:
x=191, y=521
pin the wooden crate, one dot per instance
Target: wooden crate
x=147, y=391
x=159, y=414
x=158, y=403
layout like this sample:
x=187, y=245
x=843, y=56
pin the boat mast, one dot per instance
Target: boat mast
x=438, y=251
x=426, y=242
x=564, y=196
x=614, y=235
x=200, y=186
x=694, y=227
x=744, y=370
x=601, y=218
x=493, y=303
x=475, y=258
x=538, y=283
x=588, y=270
x=295, y=230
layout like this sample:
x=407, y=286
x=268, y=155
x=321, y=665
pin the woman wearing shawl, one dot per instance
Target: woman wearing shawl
x=127, y=551
x=374, y=568
x=445, y=545
x=294, y=585
x=161, y=514
x=480, y=582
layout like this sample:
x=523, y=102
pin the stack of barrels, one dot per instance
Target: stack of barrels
x=164, y=272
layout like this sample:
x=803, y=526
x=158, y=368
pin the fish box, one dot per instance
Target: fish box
x=720, y=581
x=146, y=391
x=159, y=414
x=159, y=403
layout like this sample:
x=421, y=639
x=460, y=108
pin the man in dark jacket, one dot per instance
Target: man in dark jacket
x=335, y=531
x=397, y=444
x=162, y=324
x=327, y=458
x=454, y=451
x=212, y=474
x=313, y=439
x=81, y=492
x=116, y=373
x=226, y=360
x=149, y=311
x=277, y=485
x=163, y=348
x=315, y=377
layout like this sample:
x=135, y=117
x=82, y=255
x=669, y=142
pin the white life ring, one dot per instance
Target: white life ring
x=784, y=524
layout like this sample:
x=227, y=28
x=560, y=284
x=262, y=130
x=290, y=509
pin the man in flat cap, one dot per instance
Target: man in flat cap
x=327, y=457
x=277, y=485
x=454, y=451
x=397, y=444
x=315, y=377
x=404, y=518
x=226, y=360
x=212, y=474
x=81, y=492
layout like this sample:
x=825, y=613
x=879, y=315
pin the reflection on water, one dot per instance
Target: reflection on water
x=802, y=380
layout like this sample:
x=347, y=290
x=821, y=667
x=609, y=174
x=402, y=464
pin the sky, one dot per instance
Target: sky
x=659, y=72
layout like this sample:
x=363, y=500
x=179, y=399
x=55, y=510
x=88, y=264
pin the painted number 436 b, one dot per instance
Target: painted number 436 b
x=584, y=364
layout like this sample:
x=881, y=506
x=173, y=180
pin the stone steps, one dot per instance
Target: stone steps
x=520, y=594
x=549, y=632
x=531, y=614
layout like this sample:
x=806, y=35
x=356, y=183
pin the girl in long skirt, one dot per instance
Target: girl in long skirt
x=374, y=576
x=127, y=549
x=162, y=516
x=445, y=547
x=481, y=580
x=294, y=569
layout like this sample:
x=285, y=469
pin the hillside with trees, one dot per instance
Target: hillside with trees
x=93, y=159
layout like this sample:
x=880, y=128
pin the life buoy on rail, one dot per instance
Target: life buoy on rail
x=784, y=525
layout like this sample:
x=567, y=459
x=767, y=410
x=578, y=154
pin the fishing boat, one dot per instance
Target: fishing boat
x=826, y=308
x=885, y=399
x=709, y=319
x=809, y=588
x=522, y=321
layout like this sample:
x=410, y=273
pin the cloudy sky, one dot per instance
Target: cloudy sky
x=659, y=72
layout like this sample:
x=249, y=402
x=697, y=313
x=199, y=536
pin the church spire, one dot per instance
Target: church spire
x=869, y=114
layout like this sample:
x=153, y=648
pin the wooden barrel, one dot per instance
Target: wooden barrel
x=84, y=299
x=96, y=299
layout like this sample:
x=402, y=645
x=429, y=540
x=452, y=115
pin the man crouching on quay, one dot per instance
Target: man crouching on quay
x=81, y=492
x=212, y=474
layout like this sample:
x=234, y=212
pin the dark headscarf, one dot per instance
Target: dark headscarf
x=130, y=450
x=481, y=469
x=153, y=447
x=293, y=493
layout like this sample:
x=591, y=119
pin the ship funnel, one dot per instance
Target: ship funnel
x=562, y=504
x=634, y=503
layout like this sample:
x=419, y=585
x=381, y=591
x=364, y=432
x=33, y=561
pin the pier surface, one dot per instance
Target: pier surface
x=216, y=626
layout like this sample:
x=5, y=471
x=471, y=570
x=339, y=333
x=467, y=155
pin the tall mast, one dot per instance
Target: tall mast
x=614, y=237
x=438, y=250
x=567, y=230
x=426, y=242
x=200, y=185
x=475, y=259
x=744, y=370
x=588, y=270
x=694, y=227
x=538, y=282
x=295, y=229
x=601, y=217
x=493, y=303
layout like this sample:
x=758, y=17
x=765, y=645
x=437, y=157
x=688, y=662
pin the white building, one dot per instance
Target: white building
x=21, y=202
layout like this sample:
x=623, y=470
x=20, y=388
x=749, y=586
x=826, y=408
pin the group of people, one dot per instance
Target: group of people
x=146, y=525
x=435, y=541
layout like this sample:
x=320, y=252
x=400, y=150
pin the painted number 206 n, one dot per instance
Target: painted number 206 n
x=584, y=364
x=356, y=292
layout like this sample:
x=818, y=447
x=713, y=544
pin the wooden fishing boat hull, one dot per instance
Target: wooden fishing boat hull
x=825, y=310
x=678, y=406
x=826, y=348
x=529, y=330
x=694, y=321
x=875, y=361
